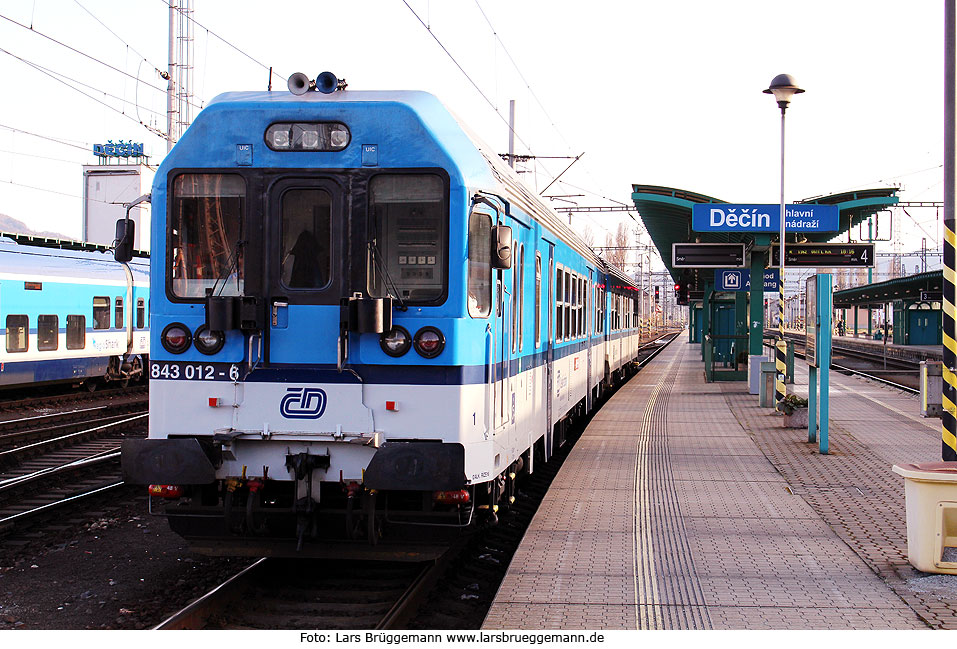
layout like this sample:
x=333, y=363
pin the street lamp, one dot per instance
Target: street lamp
x=783, y=87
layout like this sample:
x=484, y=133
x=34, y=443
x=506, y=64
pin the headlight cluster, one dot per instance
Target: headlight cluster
x=428, y=342
x=176, y=339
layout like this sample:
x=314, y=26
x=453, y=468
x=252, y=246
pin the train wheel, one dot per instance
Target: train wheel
x=90, y=385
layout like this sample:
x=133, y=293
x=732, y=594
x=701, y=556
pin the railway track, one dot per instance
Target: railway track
x=311, y=594
x=895, y=372
x=55, y=460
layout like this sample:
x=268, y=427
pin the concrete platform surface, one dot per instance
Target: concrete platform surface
x=685, y=505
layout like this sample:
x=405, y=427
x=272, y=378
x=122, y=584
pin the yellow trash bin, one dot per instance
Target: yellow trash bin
x=930, y=497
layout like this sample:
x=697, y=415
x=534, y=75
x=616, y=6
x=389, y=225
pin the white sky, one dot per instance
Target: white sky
x=664, y=93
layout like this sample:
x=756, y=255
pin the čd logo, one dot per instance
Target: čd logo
x=303, y=403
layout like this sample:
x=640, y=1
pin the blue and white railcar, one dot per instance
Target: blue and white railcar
x=368, y=326
x=71, y=316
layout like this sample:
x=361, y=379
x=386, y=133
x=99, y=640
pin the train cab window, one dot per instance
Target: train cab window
x=48, y=329
x=559, y=292
x=18, y=333
x=118, y=311
x=409, y=242
x=205, y=222
x=75, y=331
x=480, y=266
x=101, y=313
x=538, y=299
x=140, y=313
x=306, y=215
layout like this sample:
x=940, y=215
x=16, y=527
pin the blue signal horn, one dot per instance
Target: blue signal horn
x=328, y=83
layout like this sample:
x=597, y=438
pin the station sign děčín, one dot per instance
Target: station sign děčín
x=731, y=217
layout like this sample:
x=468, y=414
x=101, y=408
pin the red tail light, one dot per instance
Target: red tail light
x=166, y=491
x=457, y=497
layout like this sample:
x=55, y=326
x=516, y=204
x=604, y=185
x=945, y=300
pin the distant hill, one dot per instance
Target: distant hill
x=14, y=226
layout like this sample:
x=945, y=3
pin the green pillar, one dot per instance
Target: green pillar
x=706, y=319
x=756, y=325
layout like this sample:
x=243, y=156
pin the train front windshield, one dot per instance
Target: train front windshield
x=406, y=233
x=205, y=225
x=409, y=215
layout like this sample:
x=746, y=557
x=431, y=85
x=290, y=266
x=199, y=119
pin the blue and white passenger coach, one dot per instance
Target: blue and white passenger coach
x=367, y=328
x=71, y=316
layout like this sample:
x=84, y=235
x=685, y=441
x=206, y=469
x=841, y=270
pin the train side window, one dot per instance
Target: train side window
x=581, y=306
x=568, y=306
x=75, y=331
x=18, y=333
x=480, y=267
x=101, y=312
x=514, y=302
x=521, y=297
x=538, y=300
x=140, y=313
x=118, y=311
x=559, y=290
x=572, y=308
x=48, y=330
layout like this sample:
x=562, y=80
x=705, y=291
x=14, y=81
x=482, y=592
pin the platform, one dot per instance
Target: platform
x=685, y=505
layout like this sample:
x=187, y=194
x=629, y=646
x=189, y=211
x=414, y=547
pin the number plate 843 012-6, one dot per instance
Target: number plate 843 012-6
x=181, y=371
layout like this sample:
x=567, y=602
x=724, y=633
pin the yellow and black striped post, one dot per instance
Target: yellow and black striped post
x=949, y=416
x=781, y=350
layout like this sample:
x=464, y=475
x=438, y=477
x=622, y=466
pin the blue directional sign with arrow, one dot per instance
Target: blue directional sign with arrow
x=739, y=279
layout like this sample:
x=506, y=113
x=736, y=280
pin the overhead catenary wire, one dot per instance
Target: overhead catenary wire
x=46, y=137
x=59, y=79
x=83, y=54
x=60, y=76
x=118, y=37
x=211, y=32
x=541, y=106
x=491, y=104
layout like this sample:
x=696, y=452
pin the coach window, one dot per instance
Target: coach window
x=568, y=305
x=409, y=241
x=18, y=331
x=205, y=225
x=581, y=306
x=118, y=310
x=140, y=313
x=75, y=331
x=572, y=301
x=559, y=290
x=480, y=267
x=521, y=297
x=538, y=300
x=48, y=328
x=101, y=313
x=514, y=302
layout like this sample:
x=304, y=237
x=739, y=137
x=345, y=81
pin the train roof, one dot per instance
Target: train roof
x=35, y=261
x=480, y=167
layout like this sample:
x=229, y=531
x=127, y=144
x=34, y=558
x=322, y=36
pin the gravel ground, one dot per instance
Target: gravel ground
x=123, y=569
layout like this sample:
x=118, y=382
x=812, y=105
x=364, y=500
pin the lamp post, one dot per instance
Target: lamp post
x=783, y=87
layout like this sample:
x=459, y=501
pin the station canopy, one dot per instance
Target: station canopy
x=666, y=213
x=899, y=288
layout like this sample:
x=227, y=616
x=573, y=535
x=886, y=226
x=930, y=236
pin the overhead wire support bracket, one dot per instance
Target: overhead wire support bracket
x=577, y=158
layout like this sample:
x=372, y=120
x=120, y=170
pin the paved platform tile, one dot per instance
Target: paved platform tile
x=506, y=615
x=741, y=500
